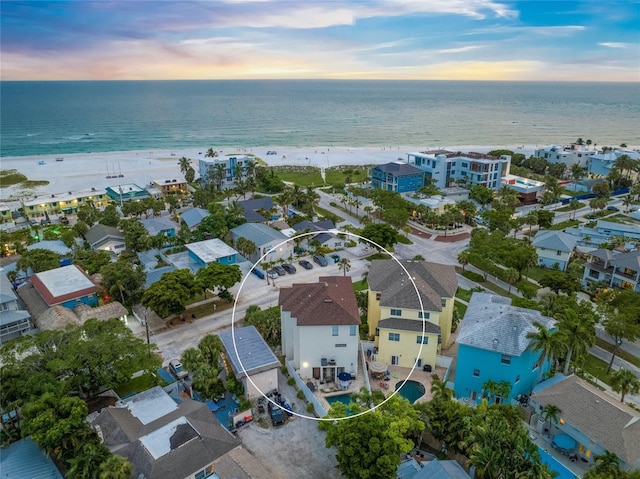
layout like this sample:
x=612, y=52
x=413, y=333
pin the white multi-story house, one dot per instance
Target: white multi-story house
x=554, y=248
x=445, y=167
x=319, y=324
x=572, y=155
x=616, y=269
x=229, y=168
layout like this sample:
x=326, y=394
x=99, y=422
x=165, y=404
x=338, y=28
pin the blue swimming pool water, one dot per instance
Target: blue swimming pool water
x=411, y=390
x=343, y=398
x=563, y=472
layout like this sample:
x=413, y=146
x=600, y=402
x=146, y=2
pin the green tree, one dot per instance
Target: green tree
x=170, y=294
x=625, y=381
x=481, y=194
x=620, y=311
x=548, y=343
x=115, y=467
x=38, y=260
x=382, y=234
x=87, y=460
x=136, y=237
x=464, y=257
x=88, y=214
x=574, y=205
x=109, y=216
x=267, y=323
x=551, y=413
x=558, y=281
x=344, y=265
x=218, y=275
x=511, y=276
x=545, y=218
x=578, y=332
x=124, y=281
x=370, y=445
x=246, y=247
x=92, y=261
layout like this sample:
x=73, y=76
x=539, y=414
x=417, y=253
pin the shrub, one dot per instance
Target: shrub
x=291, y=381
x=310, y=408
x=300, y=395
x=284, y=370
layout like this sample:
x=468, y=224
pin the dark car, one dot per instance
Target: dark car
x=335, y=258
x=289, y=268
x=305, y=264
x=321, y=260
x=277, y=416
x=280, y=270
x=613, y=208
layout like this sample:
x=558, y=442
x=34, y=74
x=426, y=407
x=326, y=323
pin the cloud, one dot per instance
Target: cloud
x=615, y=45
x=468, y=48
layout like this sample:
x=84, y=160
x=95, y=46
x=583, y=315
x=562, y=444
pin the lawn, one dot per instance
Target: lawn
x=595, y=367
x=300, y=175
x=337, y=176
x=569, y=208
x=622, y=354
x=328, y=215
x=564, y=224
x=462, y=309
x=139, y=384
x=463, y=294
x=378, y=256
x=11, y=177
x=360, y=285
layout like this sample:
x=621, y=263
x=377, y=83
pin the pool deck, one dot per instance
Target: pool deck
x=579, y=468
x=398, y=375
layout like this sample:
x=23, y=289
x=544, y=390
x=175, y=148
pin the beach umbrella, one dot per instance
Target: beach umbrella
x=344, y=376
x=564, y=441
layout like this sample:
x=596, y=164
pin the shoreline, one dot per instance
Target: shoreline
x=83, y=171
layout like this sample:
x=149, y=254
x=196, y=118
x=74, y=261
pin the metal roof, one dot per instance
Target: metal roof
x=211, y=250
x=24, y=459
x=255, y=354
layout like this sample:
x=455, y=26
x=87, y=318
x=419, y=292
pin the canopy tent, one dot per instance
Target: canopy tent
x=564, y=441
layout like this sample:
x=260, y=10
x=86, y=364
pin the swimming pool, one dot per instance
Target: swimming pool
x=410, y=390
x=563, y=472
x=343, y=398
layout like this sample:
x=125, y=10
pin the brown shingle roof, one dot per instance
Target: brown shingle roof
x=613, y=425
x=434, y=281
x=330, y=301
x=409, y=325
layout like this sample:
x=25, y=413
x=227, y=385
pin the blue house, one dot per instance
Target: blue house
x=67, y=286
x=193, y=217
x=397, y=176
x=493, y=346
x=212, y=251
x=159, y=225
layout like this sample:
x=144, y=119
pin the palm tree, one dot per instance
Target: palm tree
x=551, y=413
x=577, y=172
x=573, y=206
x=345, y=266
x=185, y=164
x=547, y=343
x=250, y=169
x=211, y=153
x=440, y=391
x=490, y=387
x=625, y=165
x=624, y=381
x=511, y=275
x=464, y=257
x=578, y=334
x=605, y=465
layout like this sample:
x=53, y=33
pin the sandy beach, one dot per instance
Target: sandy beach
x=83, y=171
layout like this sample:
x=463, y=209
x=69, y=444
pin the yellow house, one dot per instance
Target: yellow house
x=395, y=312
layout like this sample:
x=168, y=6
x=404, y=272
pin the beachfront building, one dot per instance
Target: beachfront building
x=14, y=321
x=251, y=361
x=223, y=171
x=528, y=190
x=601, y=163
x=444, y=167
x=165, y=438
x=493, y=346
x=319, y=323
x=397, y=176
x=67, y=286
x=591, y=422
x=212, y=251
x=270, y=243
x=554, y=248
x=128, y=192
x=172, y=186
x=400, y=321
x=106, y=238
x=574, y=154
x=613, y=268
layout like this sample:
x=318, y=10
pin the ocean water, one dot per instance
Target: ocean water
x=42, y=118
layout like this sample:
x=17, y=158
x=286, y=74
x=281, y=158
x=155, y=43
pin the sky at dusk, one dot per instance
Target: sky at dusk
x=379, y=39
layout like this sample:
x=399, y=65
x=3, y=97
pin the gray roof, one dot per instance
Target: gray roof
x=434, y=282
x=258, y=233
x=616, y=426
x=57, y=246
x=605, y=254
x=323, y=225
x=409, y=325
x=211, y=250
x=441, y=470
x=9, y=317
x=99, y=232
x=194, y=216
x=158, y=224
x=24, y=459
x=617, y=227
x=397, y=168
x=554, y=240
x=7, y=294
x=195, y=439
x=491, y=323
x=255, y=354
x=629, y=260
x=252, y=206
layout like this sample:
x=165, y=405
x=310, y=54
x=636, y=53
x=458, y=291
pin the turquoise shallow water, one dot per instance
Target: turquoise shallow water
x=42, y=118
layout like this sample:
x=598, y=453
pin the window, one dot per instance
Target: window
x=444, y=303
x=341, y=345
x=418, y=362
x=558, y=253
x=396, y=312
x=395, y=360
x=517, y=379
x=334, y=330
x=394, y=336
x=378, y=296
x=476, y=373
x=353, y=330
x=594, y=274
x=200, y=474
x=506, y=359
x=422, y=339
x=377, y=331
x=422, y=315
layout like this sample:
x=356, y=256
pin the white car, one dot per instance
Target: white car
x=176, y=368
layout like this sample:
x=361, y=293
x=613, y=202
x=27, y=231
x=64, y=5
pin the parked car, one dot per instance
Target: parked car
x=335, y=258
x=258, y=272
x=280, y=270
x=64, y=220
x=305, y=264
x=272, y=273
x=176, y=368
x=289, y=268
x=321, y=260
x=277, y=416
x=613, y=208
